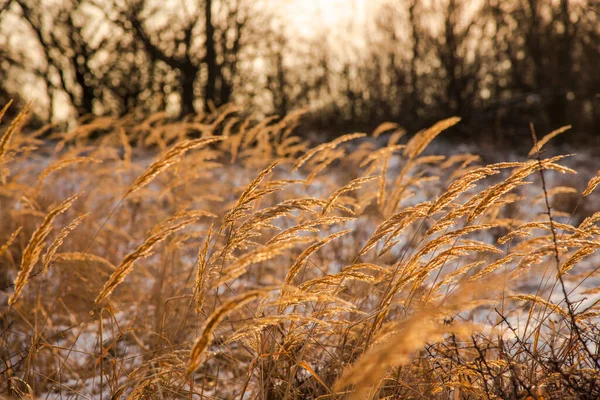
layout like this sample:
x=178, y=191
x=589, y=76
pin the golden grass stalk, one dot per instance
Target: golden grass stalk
x=9, y=242
x=372, y=157
x=450, y=236
x=78, y=256
x=201, y=275
x=329, y=158
x=495, y=265
x=84, y=130
x=352, y=185
x=384, y=127
x=394, y=350
x=324, y=147
x=248, y=195
x=540, y=143
x=351, y=272
x=291, y=120
x=34, y=248
x=312, y=372
x=400, y=188
x=228, y=127
x=183, y=215
x=203, y=341
x=397, y=344
x=251, y=134
x=236, y=140
x=337, y=279
x=523, y=230
x=421, y=140
x=532, y=298
x=295, y=268
x=13, y=128
x=259, y=323
x=550, y=163
x=396, y=223
x=291, y=296
x=249, y=229
x=411, y=269
x=595, y=290
x=554, y=191
x=263, y=217
x=48, y=258
x=395, y=137
x=579, y=255
x=382, y=181
x=589, y=222
x=290, y=146
x=491, y=195
x=261, y=254
x=169, y=158
x=5, y=109
x=222, y=114
x=144, y=250
x=439, y=261
x=465, y=160
x=57, y=166
x=456, y=275
x=592, y=185
x=432, y=160
x=308, y=226
x=461, y=185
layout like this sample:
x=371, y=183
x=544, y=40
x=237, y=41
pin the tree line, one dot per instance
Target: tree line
x=498, y=64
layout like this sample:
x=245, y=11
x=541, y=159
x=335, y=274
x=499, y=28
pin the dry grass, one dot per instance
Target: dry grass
x=242, y=263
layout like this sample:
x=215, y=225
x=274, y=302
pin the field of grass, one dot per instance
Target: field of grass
x=223, y=257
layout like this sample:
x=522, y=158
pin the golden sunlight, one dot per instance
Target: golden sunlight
x=312, y=16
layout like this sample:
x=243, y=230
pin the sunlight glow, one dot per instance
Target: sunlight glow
x=311, y=17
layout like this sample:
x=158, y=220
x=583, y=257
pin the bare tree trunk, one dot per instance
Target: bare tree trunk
x=210, y=57
x=414, y=77
x=187, y=78
x=558, y=109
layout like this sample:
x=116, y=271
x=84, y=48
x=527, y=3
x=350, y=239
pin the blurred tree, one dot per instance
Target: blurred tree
x=499, y=64
x=203, y=47
x=460, y=62
x=117, y=57
x=9, y=62
x=68, y=52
